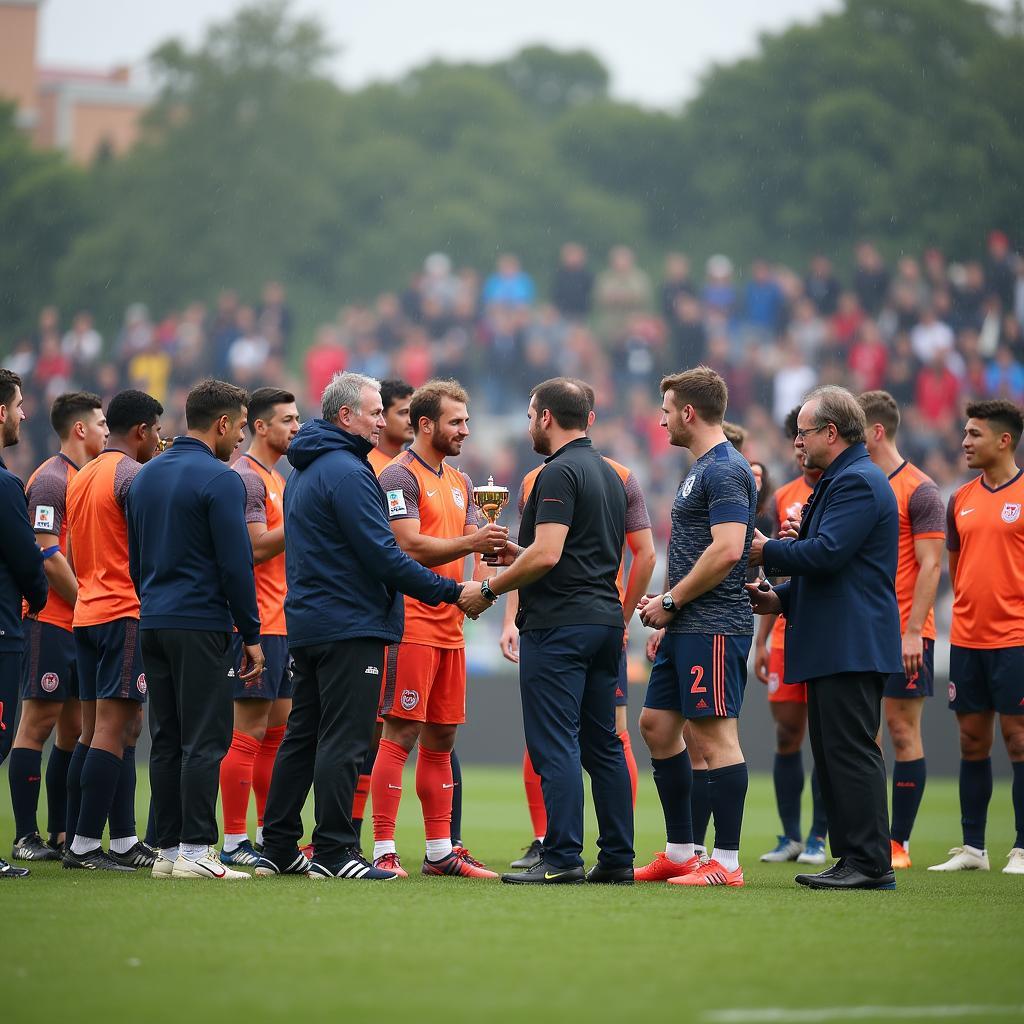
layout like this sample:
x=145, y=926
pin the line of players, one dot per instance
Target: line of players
x=82, y=674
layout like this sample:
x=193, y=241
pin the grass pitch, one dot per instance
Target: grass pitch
x=103, y=948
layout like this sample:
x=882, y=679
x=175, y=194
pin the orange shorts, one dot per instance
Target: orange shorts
x=778, y=691
x=428, y=684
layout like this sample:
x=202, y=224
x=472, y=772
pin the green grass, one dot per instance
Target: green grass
x=103, y=948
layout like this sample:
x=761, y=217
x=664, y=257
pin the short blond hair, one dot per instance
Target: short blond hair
x=427, y=399
x=702, y=388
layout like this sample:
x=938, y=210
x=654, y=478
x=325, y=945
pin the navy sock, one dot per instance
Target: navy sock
x=24, y=774
x=456, y=800
x=1018, y=802
x=908, y=779
x=100, y=773
x=122, y=810
x=700, y=805
x=788, y=774
x=75, y=766
x=728, y=793
x=819, y=819
x=975, y=794
x=674, y=778
x=57, y=790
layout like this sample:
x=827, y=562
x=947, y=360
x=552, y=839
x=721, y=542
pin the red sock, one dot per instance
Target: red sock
x=534, y=797
x=236, y=778
x=359, y=800
x=386, y=788
x=627, y=749
x=435, y=789
x=264, y=768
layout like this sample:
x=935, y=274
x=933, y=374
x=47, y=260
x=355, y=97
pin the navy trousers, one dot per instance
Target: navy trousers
x=567, y=678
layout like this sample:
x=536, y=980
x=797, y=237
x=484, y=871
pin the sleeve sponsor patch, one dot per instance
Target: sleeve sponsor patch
x=396, y=504
x=44, y=519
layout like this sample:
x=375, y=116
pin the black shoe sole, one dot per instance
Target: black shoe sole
x=513, y=880
x=872, y=886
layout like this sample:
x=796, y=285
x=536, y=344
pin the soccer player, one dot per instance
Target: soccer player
x=700, y=671
x=431, y=510
x=21, y=575
x=788, y=701
x=49, y=687
x=922, y=532
x=985, y=538
x=106, y=625
x=262, y=705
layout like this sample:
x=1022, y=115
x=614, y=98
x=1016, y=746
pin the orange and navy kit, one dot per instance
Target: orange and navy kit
x=985, y=527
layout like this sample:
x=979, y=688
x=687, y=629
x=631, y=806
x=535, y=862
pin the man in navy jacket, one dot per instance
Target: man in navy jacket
x=346, y=577
x=21, y=574
x=190, y=559
x=842, y=630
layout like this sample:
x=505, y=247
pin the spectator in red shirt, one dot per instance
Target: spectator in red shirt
x=324, y=359
x=937, y=394
x=869, y=358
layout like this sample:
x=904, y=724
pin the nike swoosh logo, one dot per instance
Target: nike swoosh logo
x=548, y=875
x=447, y=785
x=966, y=511
x=393, y=787
x=430, y=494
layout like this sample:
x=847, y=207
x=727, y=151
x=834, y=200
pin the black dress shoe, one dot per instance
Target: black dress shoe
x=827, y=873
x=601, y=875
x=850, y=877
x=532, y=857
x=545, y=874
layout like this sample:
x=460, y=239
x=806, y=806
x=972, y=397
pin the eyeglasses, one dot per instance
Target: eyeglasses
x=802, y=433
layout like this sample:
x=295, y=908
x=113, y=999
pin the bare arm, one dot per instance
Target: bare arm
x=59, y=573
x=266, y=544
x=431, y=551
x=928, y=552
x=641, y=546
x=509, y=642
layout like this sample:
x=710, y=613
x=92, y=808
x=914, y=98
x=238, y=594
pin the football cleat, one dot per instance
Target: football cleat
x=964, y=858
x=814, y=851
x=163, y=867
x=390, y=862
x=900, y=857
x=33, y=847
x=1015, y=862
x=243, y=855
x=10, y=871
x=711, y=873
x=458, y=864
x=785, y=850
x=267, y=868
x=350, y=867
x=532, y=857
x=661, y=869
x=207, y=867
x=139, y=855
x=94, y=860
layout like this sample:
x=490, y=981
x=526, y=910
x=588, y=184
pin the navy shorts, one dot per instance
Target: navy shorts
x=49, y=669
x=986, y=680
x=110, y=661
x=700, y=675
x=622, y=683
x=920, y=685
x=276, y=679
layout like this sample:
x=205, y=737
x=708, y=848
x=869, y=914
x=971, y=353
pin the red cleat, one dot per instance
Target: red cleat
x=710, y=873
x=661, y=869
x=458, y=864
x=390, y=862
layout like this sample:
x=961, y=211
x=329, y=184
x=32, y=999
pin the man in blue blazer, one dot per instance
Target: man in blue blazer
x=843, y=629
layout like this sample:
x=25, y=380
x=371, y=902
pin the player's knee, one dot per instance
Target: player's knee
x=655, y=733
x=1014, y=743
x=404, y=733
x=788, y=738
x=974, y=746
x=905, y=736
x=37, y=722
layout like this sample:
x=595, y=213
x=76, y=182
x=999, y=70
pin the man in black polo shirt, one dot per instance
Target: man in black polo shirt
x=570, y=623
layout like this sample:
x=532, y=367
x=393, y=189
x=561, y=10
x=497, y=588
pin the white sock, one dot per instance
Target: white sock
x=259, y=835
x=969, y=849
x=123, y=845
x=729, y=859
x=438, y=849
x=194, y=851
x=384, y=846
x=906, y=846
x=540, y=839
x=232, y=840
x=169, y=853
x=700, y=851
x=679, y=853
x=82, y=845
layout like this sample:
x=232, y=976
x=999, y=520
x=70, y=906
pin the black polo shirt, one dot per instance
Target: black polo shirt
x=578, y=489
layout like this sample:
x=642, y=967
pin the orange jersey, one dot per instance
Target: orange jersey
x=789, y=501
x=378, y=460
x=987, y=529
x=47, y=493
x=443, y=504
x=921, y=517
x=99, y=539
x=264, y=503
x=637, y=517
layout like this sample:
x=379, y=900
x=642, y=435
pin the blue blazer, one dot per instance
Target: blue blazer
x=840, y=604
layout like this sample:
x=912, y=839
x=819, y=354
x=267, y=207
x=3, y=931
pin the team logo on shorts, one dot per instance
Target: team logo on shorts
x=458, y=498
x=50, y=682
x=410, y=698
x=140, y=683
x=773, y=682
x=1011, y=512
x=688, y=486
x=952, y=691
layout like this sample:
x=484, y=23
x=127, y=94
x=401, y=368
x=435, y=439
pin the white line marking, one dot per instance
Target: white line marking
x=774, y=1014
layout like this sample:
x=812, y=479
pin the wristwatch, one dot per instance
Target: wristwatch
x=668, y=603
x=485, y=589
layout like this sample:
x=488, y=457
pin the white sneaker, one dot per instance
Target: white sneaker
x=208, y=866
x=1015, y=863
x=163, y=867
x=967, y=858
x=785, y=850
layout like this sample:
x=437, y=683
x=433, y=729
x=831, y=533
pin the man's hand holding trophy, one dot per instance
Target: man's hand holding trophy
x=490, y=500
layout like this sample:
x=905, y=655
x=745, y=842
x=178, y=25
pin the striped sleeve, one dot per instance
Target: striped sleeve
x=927, y=516
x=401, y=491
x=637, y=516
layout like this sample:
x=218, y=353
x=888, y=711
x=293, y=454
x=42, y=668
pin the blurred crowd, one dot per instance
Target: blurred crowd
x=932, y=331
